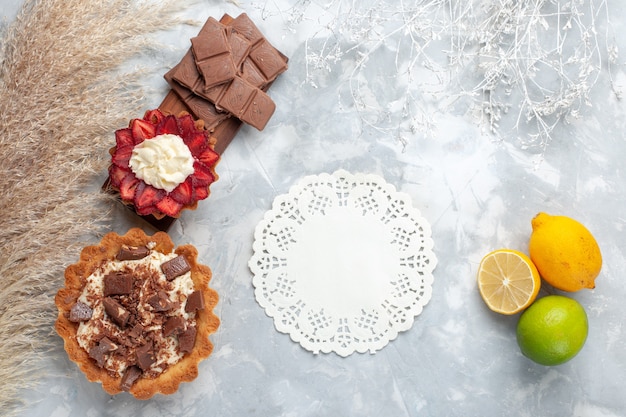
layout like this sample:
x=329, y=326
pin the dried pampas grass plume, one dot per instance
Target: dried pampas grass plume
x=62, y=97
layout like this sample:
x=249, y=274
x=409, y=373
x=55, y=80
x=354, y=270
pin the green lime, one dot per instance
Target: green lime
x=552, y=330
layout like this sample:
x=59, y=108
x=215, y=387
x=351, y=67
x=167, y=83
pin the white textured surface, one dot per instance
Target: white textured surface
x=357, y=97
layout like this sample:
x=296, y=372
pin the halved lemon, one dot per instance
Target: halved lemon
x=508, y=281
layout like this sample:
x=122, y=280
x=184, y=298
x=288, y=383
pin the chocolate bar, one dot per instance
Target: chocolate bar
x=245, y=26
x=268, y=60
x=186, y=74
x=131, y=375
x=145, y=356
x=252, y=74
x=248, y=103
x=102, y=348
x=258, y=64
x=238, y=98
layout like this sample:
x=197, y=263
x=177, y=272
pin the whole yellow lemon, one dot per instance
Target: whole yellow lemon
x=565, y=253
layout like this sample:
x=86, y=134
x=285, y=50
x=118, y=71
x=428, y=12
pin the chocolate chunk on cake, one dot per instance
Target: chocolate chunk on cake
x=129, y=253
x=195, y=302
x=80, y=312
x=175, y=267
x=118, y=283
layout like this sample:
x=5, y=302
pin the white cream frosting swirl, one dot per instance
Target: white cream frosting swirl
x=163, y=161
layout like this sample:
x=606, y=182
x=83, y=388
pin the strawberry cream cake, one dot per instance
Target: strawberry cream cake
x=162, y=164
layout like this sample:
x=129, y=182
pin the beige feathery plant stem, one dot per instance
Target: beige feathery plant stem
x=61, y=97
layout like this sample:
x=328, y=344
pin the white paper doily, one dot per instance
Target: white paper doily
x=342, y=263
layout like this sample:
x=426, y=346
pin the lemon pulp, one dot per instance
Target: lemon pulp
x=508, y=281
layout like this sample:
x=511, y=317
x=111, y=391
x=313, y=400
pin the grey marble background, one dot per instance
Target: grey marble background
x=371, y=87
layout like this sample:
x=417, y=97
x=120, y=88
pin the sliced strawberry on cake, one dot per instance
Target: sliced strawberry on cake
x=162, y=164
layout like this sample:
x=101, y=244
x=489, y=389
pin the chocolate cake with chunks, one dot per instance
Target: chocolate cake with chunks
x=136, y=313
